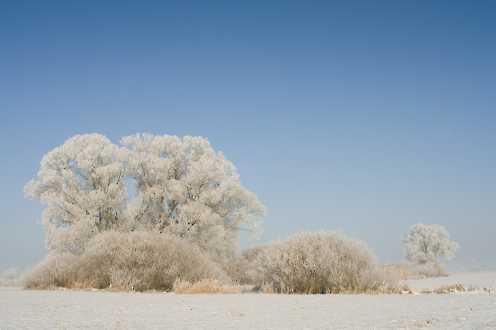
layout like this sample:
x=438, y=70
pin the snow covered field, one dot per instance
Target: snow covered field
x=481, y=279
x=64, y=309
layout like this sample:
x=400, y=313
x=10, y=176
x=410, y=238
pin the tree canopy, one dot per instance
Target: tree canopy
x=165, y=184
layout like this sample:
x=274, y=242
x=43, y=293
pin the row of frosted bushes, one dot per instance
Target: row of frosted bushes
x=323, y=262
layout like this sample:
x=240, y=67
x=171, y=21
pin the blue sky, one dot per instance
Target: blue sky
x=362, y=117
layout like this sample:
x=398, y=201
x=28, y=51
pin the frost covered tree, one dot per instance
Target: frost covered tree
x=426, y=244
x=82, y=184
x=186, y=188
x=166, y=184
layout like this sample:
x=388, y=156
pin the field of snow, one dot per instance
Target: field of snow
x=475, y=279
x=65, y=309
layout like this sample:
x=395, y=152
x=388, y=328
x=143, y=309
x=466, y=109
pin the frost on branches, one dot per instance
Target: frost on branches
x=163, y=184
x=425, y=244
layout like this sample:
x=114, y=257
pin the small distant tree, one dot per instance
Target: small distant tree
x=426, y=244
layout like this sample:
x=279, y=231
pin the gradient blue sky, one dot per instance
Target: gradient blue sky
x=365, y=117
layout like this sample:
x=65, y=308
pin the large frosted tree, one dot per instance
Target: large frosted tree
x=82, y=184
x=165, y=184
x=185, y=187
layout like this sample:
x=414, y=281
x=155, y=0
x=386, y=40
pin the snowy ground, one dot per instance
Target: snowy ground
x=25, y=309
x=475, y=279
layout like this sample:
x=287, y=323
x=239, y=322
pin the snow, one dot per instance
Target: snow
x=62, y=309
x=474, y=279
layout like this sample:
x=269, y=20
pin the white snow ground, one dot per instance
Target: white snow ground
x=474, y=279
x=66, y=309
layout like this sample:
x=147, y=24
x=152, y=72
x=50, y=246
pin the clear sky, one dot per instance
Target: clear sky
x=365, y=117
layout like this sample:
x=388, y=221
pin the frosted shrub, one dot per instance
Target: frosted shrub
x=128, y=261
x=54, y=271
x=243, y=269
x=323, y=262
x=144, y=261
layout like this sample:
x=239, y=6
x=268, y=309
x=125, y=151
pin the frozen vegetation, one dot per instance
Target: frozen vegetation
x=162, y=184
x=425, y=245
x=162, y=215
x=157, y=210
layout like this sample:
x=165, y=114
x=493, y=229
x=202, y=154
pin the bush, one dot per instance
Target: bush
x=242, y=269
x=323, y=262
x=54, y=271
x=129, y=261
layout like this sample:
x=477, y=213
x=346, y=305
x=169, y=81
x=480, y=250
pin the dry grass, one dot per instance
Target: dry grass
x=205, y=286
